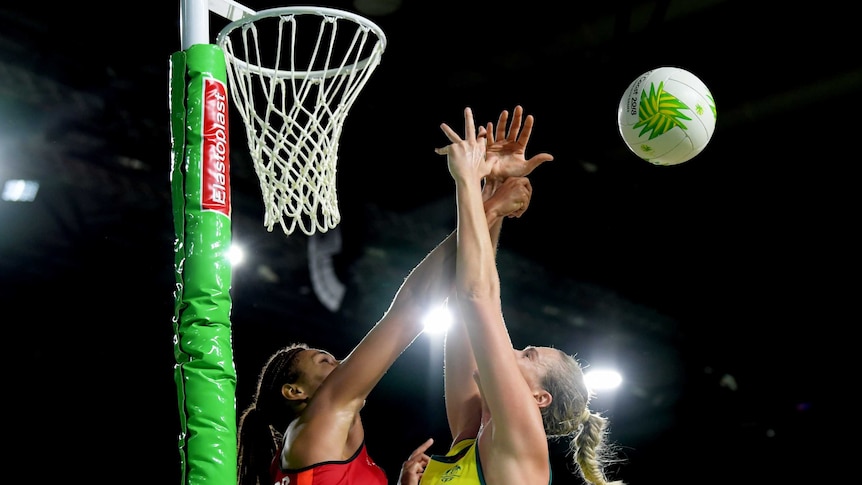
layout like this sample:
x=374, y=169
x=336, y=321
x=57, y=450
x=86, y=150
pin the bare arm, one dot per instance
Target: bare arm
x=507, y=193
x=429, y=282
x=516, y=444
x=463, y=403
x=324, y=428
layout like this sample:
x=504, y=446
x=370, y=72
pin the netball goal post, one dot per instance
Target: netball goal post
x=292, y=74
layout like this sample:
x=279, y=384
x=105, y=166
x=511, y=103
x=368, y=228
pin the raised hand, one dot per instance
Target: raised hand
x=412, y=469
x=466, y=158
x=507, y=146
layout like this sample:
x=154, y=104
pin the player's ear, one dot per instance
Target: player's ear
x=543, y=397
x=292, y=392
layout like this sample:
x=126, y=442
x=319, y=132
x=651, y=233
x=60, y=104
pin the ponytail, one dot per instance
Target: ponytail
x=257, y=444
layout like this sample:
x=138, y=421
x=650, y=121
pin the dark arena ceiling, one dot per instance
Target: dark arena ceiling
x=717, y=285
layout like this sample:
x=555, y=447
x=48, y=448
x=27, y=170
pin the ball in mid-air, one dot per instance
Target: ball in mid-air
x=667, y=116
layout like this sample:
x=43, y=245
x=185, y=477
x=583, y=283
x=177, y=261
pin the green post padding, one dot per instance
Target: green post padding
x=200, y=186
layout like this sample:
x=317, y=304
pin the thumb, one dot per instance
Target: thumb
x=537, y=160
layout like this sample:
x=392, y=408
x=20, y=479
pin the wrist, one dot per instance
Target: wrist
x=489, y=187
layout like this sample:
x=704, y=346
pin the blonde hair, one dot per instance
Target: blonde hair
x=569, y=417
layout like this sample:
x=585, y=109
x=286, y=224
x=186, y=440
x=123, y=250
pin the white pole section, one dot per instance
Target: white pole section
x=194, y=23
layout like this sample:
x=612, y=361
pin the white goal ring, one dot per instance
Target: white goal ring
x=319, y=11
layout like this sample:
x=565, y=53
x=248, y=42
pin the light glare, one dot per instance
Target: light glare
x=236, y=254
x=20, y=190
x=438, y=320
x=603, y=379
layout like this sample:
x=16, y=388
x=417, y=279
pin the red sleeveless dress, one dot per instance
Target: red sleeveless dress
x=359, y=469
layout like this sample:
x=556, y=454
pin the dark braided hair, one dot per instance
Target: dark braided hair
x=262, y=424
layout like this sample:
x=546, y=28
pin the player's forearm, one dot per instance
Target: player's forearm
x=431, y=280
x=476, y=271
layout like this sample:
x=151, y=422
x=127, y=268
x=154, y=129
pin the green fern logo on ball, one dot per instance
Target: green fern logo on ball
x=660, y=112
x=712, y=105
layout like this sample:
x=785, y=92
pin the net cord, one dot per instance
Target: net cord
x=294, y=148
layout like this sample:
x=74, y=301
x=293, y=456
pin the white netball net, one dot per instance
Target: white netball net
x=294, y=74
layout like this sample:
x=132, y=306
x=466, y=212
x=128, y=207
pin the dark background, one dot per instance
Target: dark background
x=718, y=286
